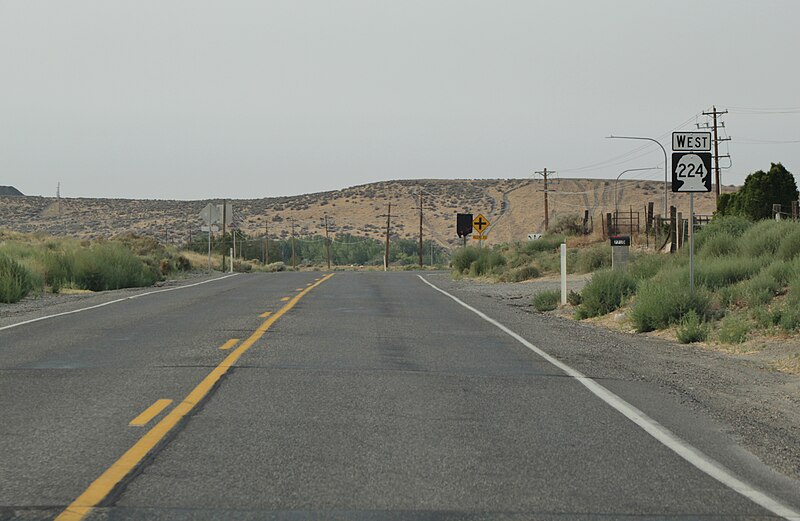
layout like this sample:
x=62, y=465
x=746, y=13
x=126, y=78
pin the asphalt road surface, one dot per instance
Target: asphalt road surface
x=351, y=396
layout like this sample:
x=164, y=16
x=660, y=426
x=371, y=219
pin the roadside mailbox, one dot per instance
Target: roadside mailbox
x=620, y=251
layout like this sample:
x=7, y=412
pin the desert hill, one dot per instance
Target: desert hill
x=9, y=190
x=513, y=206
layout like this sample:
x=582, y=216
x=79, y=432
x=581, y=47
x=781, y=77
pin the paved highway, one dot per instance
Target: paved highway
x=352, y=396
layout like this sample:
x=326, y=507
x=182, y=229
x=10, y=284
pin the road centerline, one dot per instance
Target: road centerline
x=150, y=413
x=689, y=453
x=127, y=463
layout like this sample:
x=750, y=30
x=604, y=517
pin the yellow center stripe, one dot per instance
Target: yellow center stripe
x=284, y=299
x=150, y=413
x=102, y=486
x=265, y=314
x=229, y=344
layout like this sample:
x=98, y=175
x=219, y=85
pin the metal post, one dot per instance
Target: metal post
x=327, y=242
x=691, y=242
x=224, y=220
x=209, y=248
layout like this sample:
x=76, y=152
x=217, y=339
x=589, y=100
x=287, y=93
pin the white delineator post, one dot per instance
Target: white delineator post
x=231, y=252
x=564, y=274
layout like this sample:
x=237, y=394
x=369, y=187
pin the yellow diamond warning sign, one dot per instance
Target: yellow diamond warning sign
x=480, y=224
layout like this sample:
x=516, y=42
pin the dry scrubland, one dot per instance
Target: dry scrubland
x=514, y=207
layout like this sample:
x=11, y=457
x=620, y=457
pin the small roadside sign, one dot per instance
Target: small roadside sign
x=480, y=224
x=479, y=237
x=621, y=240
x=691, y=141
x=534, y=236
x=213, y=228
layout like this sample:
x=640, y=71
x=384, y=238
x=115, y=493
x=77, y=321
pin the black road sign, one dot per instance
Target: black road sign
x=464, y=224
x=691, y=172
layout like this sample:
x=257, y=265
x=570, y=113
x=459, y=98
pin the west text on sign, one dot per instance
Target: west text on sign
x=691, y=141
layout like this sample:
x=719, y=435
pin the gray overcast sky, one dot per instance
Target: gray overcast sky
x=196, y=99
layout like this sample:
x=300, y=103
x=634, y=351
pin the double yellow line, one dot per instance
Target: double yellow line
x=102, y=486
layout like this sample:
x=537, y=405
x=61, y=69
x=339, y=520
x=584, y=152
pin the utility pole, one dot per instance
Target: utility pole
x=420, y=228
x=544, y=174
x=327, y=242
x=293, y=258
x=224, y=220
x=58, y=197
x=715, y=125
x=388, y=223
x=266, y=242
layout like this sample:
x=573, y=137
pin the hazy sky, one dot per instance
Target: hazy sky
x=197, y=99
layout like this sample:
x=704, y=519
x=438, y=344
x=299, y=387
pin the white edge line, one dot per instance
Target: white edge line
x=114, y=302
x=652, y=427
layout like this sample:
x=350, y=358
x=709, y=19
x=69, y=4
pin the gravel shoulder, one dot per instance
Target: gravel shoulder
x=757, y=406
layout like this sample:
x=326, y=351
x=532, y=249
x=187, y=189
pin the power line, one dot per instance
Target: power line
x=716, y=139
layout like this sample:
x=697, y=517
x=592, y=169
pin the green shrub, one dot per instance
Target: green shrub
x=733, y=329
x=759, y=290
x=605, y=293
x=520, y=274
x=463, y=258
x=718, y=245
x=546, y=300
x=107, y=266
x=274, y=267
x=645, y=266
x=15, y=281
x=665, y=299
x=546, y=243
x=788, y=317
x=593, y=258
x=765, y=237
x=691, y=329
x=488, y=262
x=724, y=271
x=790, y=245
x=571, y=224
x=734, y=226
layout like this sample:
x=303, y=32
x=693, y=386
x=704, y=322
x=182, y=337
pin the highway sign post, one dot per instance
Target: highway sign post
x=464, y=225
x=211, y=215
x=691, y=173
x=480, y=224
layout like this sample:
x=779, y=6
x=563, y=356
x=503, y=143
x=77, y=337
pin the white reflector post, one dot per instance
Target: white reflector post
x=564, y=274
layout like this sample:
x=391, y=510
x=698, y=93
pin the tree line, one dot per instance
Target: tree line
x=345, y=249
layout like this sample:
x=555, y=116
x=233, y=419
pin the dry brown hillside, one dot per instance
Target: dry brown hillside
x=513, y=206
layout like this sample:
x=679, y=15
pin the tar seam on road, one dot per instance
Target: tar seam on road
x=114, y=302
x=686, y=451
x=128, y=462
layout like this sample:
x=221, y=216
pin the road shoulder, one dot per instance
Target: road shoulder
x=757, y=407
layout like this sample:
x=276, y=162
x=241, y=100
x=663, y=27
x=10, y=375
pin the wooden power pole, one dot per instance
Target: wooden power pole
x=544, y=173
x=388, y=224
x=293, y=259
x=224, y=220
x=714, y=126
x=327, y=242
x=420, y=228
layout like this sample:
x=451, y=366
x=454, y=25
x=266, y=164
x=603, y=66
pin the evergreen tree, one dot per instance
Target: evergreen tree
x=760, y=191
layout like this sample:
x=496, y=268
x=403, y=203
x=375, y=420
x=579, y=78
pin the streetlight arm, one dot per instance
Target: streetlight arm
x=612, y=136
